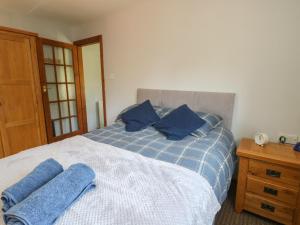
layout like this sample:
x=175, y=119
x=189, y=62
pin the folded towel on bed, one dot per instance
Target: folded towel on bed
x=41, y=175
x=46, y=204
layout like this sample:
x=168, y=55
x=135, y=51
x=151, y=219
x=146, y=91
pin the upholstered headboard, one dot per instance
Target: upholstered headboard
x=221, y=104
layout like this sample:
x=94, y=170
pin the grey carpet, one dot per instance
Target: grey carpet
x=227, y=215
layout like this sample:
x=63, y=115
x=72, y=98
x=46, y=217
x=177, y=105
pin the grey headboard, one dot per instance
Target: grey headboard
x=218, y=103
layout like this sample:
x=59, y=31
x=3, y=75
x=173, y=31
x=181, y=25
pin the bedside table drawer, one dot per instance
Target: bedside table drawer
x=268, y=208
x=274, y=172
x=270, y=189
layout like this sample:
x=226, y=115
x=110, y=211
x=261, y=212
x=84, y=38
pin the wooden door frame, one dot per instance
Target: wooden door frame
x=80, y=117
x=80, y=44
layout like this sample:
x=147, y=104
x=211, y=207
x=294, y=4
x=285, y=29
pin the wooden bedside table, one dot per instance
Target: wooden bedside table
x=269, y=181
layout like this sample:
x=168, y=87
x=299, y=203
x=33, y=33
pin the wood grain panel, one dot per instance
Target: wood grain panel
x=27, y=138
x=11, y=64
x=1, y=148
x=262, y=206
x=22, y=122
x=25, y=107
x=83, y=100
x=286, y=175
x=297, y=212
x=269, y=189
x=273, y=181
x=17, y=31
x=242, y=182
x=282, y=154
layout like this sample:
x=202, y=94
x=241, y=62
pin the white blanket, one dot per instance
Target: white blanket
x=131, y=189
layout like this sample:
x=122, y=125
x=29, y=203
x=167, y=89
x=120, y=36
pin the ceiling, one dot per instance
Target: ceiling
x=68, y=11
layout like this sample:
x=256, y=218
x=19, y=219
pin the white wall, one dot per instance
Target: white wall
x=251, y=48
x=93, y=86
x=45, y=28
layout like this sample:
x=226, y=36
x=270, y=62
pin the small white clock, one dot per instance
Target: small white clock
x=261, y=139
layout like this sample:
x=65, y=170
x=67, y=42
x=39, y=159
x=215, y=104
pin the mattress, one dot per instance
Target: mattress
x=130, y=188
x=213, y=156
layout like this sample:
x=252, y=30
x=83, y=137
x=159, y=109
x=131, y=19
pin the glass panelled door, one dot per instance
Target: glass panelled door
x=61, y=89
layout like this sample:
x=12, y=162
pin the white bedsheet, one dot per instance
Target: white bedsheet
x=131, y=189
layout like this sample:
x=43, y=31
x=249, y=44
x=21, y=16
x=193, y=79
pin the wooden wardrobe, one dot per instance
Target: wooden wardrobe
x=22, y=123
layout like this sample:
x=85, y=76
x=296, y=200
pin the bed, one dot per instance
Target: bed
x=141, y=177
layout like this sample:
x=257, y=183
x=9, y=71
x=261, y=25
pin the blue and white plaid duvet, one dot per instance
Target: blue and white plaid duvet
x=212, y=156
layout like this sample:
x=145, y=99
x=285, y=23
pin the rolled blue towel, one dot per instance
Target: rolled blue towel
x=41, y=175
x=46, y=204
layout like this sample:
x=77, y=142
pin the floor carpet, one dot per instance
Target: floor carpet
x=227, y=215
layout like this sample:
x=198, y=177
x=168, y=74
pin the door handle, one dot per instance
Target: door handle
x=44, y=88
x=270, y=191
x=273, y=173
x=267, y=207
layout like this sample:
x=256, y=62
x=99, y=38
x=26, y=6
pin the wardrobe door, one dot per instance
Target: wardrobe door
x=21, y=112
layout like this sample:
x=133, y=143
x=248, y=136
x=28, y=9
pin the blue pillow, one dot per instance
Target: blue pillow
x=119, y=117
x=139, y=117
x=179, y=123
x=211, y=120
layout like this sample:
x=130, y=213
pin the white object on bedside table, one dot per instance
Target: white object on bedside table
x=261, y=139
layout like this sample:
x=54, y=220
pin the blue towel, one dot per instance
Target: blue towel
x=46, y=204
x=42, y=174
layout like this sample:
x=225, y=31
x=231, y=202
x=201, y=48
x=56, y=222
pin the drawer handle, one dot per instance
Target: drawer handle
x=273, y=173
x=270, y=191
x=267, y=207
